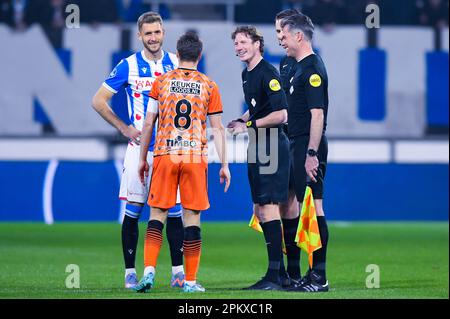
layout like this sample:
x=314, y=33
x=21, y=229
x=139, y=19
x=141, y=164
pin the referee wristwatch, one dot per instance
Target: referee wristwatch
x=312, y=153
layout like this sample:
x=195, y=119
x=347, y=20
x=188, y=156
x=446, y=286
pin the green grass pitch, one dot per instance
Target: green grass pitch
x=412, y=258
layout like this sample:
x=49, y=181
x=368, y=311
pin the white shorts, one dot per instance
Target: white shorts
x=131, y=188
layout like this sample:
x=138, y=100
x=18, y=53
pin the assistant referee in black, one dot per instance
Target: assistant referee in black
x=269, y=179
x=308, y=107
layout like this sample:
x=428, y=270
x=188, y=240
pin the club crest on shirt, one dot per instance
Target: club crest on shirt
x=113, y=73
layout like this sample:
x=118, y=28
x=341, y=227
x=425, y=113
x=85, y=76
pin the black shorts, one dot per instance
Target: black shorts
x=298, y=149
x=269, y=179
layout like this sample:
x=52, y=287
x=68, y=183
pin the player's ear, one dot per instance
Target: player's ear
x=199, y=58
x=178, y=56
x=259, y=44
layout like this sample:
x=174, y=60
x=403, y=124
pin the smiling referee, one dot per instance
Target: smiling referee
x=308, y=108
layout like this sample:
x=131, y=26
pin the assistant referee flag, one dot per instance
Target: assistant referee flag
x=308, y=236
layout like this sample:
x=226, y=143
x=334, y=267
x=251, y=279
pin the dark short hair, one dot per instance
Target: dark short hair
x=299, y=22
x=286, y=13
x=189, y=47
x=149, y=17
x=252, y=33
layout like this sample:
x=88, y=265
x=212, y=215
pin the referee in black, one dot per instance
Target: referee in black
x=268, y=151
x=289, y=210
x=308, y=108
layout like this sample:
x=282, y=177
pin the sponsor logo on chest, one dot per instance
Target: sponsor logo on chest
x=143, y=84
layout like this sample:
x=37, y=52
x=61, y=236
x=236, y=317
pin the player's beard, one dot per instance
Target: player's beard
x=153, y=51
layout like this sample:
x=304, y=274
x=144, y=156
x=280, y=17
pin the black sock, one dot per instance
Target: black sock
x=272, y=235
x=175, y=237
x=283, y=273
x=130, y=235
x=292, y=250
x=320, y=255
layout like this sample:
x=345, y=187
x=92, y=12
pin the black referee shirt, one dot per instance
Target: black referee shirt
x=262, y=90
x=308, y=90
x=287, y=69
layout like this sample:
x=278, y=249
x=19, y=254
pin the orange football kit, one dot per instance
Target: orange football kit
x=186, y=98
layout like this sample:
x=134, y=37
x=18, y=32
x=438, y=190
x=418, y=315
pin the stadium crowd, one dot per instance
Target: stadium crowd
x=20, y=14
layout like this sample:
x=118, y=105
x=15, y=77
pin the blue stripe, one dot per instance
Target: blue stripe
x=134, y=208
x=175, y=215
x=145, y=101
x=167, y=63
x=151, y=146
x=175, y=209
x=128, y=213
x=130, y=95
x=144, y=65
x=372, y=85
x=141, y=65
x=437, y=89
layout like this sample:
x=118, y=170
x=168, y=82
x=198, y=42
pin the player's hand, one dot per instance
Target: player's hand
x=225, y=176
x=311, y=167
x=232, y=124
x=238, y=128
x=143, y=169
x=133, y=134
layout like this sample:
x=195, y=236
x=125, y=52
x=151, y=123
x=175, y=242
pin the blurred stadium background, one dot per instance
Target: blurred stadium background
x=388, y=118
x=388, y=121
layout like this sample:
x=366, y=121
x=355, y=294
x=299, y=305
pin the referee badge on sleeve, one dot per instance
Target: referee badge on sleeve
x=275, y=85
x=315, y=80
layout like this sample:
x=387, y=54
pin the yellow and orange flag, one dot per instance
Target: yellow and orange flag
x=254, y=224
x=308, y=236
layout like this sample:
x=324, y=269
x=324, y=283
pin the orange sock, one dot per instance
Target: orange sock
x=153, y=242
x=192, y=251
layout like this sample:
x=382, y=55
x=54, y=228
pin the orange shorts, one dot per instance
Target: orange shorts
x=187, y=171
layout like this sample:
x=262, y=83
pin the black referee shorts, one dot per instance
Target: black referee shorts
x=269, y=188
x=298, y=150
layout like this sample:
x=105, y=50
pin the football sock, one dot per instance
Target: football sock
x=153, y=242
x=292, y=250
x=130, y=234
x=282, y=272
x=175, y=236
x=320, y=255
x=177, y=269
x=272, y=235
x=192, y=248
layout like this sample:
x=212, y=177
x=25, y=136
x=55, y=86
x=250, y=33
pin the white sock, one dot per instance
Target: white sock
x=191, y=283
x=130, y=271
x=149, y=269
x=177, y=269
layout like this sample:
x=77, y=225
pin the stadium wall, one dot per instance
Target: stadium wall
x=395, y=91
x=366, y=181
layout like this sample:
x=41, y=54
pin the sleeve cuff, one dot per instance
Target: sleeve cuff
x=215, y=113
x=106, y=86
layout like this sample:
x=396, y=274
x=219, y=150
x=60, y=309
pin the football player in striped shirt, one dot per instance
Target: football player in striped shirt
x=136, y=75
